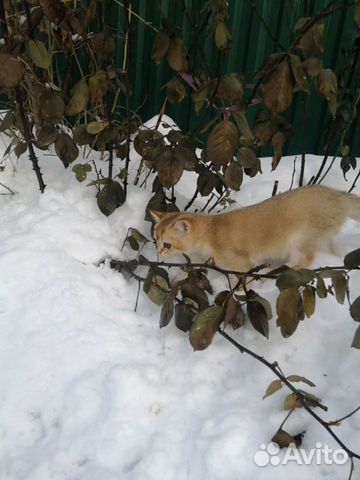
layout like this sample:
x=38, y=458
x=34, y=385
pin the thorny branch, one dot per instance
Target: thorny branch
x=126, y=65
x=22, y=113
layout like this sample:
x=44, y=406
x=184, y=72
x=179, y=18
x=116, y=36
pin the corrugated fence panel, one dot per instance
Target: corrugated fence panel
x=251, y=45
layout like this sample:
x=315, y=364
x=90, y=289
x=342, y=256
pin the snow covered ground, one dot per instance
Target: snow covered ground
x=91, y=390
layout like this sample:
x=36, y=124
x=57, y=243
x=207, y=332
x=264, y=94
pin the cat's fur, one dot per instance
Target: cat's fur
x=290, y=227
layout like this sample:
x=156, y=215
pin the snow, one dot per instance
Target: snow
x=92, y=390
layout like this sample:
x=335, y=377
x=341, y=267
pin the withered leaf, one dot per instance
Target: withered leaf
x=157, y=202
x=265, y=303
x=355, y=309
x=138, y=236
x=289, y=309
x=177, y=56
x=149, y=144
x=321, y=289
x=90, y=12
x=81, y=135
x=98, y=86
x=20, y=148
x=278, y=88
x=299, y=73
x=203, y=93
x=273, y=387
x=233, y=175
x=96, y=127
x=205, y=326
x=206, y=182
x=72, y=24
x=258, y=317
x=234, y=315
x=52, y=107
x=292, y=401
x=160, y=46
x=299, y=378
x=46, y=136
x=186, y=151
x=231, y=89
x=340, y=284
x=81, y=170
x=169, y=168
x=243, y=125
x=327, y=86
x=80, y=98
x=7, y=122
x=309, y=300
x=221, y=297
x=39, y=54
x=110, y=197
x=156, y=285
x=283, y=439
x=222, y=143
x=313, y=66
x=291, y=278
x=311, y=41
x=66, y=149
x=183, y=316
x=222, y=36
x=103, y=42
x=278, y=141
x=263, y=132
x=356, y=340
x=175, y=91
x=193, y=291
x=352, y=259
x=135, y=238
x=54, y=10
x=167, y=310
x=312, y=400
x=248, y=159
x=11, y=71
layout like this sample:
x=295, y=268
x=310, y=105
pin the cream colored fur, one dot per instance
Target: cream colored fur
x=290, y=227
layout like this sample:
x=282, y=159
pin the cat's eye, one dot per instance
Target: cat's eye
x=167, y=245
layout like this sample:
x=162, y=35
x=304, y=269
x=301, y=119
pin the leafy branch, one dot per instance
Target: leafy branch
x=274, y=367
x=193, y=312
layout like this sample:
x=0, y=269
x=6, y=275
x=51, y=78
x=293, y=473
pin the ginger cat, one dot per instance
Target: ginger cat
x=290, y=227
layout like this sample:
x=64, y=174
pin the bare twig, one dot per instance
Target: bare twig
x=11, y=192
x=192, y=200
x=336, y=422
x=354, y=182
x=275, y=40
x=300, y=396
x=275, y=188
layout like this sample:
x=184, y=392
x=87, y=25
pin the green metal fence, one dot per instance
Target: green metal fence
x=251, y=44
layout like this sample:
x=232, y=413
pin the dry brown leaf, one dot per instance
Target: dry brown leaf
x=11, y=71
x=278, y=88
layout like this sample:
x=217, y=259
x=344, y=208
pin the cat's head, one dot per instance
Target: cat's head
x=173, y=232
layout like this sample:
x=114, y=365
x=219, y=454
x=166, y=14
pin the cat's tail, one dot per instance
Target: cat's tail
x=353, y=206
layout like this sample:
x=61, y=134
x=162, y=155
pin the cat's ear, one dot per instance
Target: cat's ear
x=183, y=227
x=157, y=216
